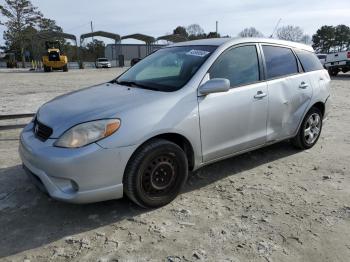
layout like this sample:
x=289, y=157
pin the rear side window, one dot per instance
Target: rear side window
x=239, y=65
x=280, y=61
x=309, y=60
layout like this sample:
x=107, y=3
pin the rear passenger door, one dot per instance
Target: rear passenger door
x=290, y=91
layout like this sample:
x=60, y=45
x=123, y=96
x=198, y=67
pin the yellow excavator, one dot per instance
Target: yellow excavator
x=54, y=60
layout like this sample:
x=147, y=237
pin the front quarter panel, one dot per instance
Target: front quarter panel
x=174, y=112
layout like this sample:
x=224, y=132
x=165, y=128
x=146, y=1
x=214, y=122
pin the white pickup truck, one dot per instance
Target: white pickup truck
x=338, y=62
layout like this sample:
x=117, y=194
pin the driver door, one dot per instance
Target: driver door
x=234, y=121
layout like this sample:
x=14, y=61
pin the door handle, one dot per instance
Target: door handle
x=260, y=94
x=303, y=85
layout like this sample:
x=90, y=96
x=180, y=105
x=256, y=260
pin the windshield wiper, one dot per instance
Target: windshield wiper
x=135, y=84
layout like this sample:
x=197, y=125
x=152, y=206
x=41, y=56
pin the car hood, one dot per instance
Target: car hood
x=93, y=103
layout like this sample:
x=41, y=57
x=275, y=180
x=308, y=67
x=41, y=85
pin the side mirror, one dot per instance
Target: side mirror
x=215, y=85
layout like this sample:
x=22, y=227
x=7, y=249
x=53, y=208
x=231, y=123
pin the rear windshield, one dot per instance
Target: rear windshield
x=168, y=69
x=321, y=56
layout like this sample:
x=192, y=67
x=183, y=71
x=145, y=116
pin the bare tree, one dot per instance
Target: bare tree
x=195, y=30
x=306, y=39
x=20, y=15
x=250, y=32
x=290, y=33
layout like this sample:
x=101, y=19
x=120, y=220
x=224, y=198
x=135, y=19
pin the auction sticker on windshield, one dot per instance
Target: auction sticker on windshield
x=199, y=53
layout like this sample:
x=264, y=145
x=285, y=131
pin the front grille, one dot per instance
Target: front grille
x=42, y=131
x=54, y=56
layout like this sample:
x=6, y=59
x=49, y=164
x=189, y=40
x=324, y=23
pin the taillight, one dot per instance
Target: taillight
x=348, y=54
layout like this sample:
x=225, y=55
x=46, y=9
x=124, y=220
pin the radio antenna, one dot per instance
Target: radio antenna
x=274, y=30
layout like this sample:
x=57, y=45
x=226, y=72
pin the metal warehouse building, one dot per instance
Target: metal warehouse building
x=129, y=51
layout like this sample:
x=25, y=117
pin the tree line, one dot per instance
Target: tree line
x=327, y=39
x=23, y=21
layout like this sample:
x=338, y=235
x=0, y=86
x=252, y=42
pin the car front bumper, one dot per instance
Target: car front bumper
x=80, y=175
x=104, y=66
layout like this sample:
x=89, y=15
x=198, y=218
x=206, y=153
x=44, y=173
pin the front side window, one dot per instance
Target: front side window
x=168, y=69
x=280, y=61
x=309, y=61
x=239, y=65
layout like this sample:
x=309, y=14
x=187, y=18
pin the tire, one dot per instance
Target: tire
x=333, y=72
x=65, y=68
x=47, y=69
x=147, y=181
x=303, y=140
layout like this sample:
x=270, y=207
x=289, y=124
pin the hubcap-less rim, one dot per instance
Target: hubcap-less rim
x=159, y=177
x=312, y=128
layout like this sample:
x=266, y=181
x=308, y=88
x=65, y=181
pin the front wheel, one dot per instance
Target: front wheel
x=310, y=130
x=156, y=173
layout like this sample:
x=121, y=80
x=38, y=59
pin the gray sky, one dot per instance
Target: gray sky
x=158, y=17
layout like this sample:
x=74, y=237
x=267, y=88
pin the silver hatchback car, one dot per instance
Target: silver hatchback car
x=178, y=109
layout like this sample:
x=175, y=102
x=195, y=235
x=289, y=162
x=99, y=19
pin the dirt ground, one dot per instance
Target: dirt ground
x=273, y=204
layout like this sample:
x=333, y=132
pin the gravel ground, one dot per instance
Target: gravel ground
x=273, y=204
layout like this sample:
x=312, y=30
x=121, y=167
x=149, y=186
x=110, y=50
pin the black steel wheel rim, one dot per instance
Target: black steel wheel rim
x=159, y=176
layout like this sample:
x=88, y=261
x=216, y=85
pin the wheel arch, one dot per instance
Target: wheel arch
x=175, y=138
x=319, y=105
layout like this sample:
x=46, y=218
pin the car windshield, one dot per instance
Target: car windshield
x=167, y=69
x=103, y=60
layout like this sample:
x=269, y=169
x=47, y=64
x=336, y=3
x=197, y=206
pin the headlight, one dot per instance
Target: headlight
x=87, y=133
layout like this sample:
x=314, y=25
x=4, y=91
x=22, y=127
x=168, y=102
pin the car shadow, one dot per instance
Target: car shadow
x=30, y=219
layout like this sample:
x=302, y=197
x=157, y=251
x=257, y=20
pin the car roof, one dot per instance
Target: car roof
x=239, y=40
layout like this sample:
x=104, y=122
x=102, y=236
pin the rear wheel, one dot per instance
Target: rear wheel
x=47, y=69
x=310, y=130
x=156, y=173
x=333, y=71
x=65, y=68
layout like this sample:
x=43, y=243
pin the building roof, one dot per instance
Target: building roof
x=145, y=38
x=100, y=33
x=238, y=40
x=54, y=34
x=175, y=38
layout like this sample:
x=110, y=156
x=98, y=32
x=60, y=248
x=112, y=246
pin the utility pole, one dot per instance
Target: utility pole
x=92, y=29
x=93, y=47
x=217, y=28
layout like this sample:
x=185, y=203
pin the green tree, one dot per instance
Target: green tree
x=324, y=39
x=342, y=38
x=213, y=35
x=180, y=30
x=93, y=50
x=20, y=15
x=46, y=24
